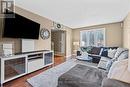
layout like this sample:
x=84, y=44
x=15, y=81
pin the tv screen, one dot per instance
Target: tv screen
x=21, y=27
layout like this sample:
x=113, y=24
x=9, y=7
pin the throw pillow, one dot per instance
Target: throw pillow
x=104, y=52
x=119, y=52
x=101, y=51
x=111, y=53
x=109, y=64
x=124, y=55
x=96, y=50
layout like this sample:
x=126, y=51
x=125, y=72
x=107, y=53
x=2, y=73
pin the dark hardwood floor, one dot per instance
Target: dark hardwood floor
x=21, y=82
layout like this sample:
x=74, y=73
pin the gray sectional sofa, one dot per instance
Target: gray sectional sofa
x=84, y=76
x=104, y=56
x=119, y=54
x=95, y=52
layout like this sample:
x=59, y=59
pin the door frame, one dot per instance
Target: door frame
x=52, y=30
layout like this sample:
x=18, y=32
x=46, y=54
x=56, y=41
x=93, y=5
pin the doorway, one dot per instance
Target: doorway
x=58, y=42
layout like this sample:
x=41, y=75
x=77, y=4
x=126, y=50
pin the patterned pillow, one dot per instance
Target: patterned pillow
x=124, y=55
x=111, y=53
x=105, y=51
x=120, y=51
x=109, y=64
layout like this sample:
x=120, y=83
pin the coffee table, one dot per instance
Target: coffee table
x=85, y=58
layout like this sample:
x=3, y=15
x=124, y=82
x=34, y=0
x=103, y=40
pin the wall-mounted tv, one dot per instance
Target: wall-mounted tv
x=20, y=27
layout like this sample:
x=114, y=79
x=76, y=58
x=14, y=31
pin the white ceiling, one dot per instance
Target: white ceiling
x=78, y=13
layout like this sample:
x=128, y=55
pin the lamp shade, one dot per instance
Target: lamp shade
x=75, y=46
x=76, y=43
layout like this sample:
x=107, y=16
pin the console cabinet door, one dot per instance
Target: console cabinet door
x=48, y=58
x=14, y=67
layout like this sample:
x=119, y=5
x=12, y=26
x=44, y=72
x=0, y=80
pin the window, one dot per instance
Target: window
x=94, y=37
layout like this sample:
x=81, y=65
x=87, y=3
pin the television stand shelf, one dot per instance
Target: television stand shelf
x=18, y=65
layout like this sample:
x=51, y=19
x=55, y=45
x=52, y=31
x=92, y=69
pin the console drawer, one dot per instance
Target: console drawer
x=34, y=65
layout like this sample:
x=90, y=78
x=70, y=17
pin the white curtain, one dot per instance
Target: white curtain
x=94, y=37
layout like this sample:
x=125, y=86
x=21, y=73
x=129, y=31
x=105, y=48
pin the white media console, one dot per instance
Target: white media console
x=18, y=65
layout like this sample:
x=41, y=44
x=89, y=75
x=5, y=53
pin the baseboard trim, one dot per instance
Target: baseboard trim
x=69, y=57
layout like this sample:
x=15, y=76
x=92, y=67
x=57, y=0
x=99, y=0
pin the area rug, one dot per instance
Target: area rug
x=49, y=78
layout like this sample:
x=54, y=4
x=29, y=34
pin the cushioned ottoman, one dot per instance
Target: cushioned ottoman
x=82, y=76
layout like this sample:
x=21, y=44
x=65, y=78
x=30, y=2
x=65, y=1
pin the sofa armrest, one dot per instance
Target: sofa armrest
x=114, y=83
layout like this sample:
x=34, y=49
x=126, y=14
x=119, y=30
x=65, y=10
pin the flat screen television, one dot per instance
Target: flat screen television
x=20, y=27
